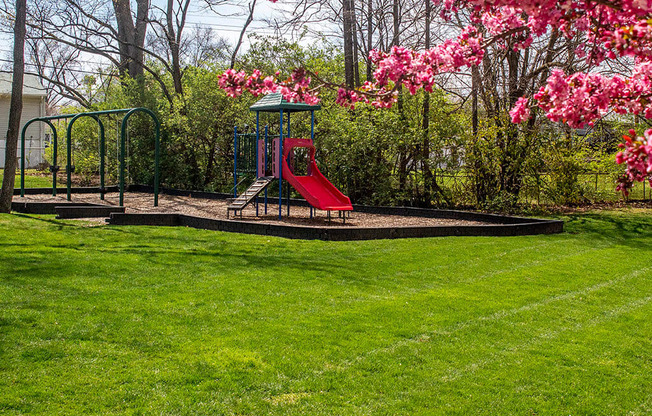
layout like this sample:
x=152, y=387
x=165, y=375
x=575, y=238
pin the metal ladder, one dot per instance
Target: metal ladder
x=245, y=198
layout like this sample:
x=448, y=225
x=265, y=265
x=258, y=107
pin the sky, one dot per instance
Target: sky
x=230, y=24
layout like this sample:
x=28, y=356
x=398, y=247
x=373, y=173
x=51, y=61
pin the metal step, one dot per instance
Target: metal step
x=244, y=199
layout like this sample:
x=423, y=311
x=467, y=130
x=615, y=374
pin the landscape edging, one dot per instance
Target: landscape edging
x=532, y=227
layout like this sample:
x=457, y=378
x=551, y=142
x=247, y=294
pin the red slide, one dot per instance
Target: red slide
x=314, y=187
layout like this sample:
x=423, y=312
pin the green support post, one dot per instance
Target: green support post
x=102, y=151
x=22, y=160
x=123, y=139
x=265, y=167
x=69, y=157
x=55, y=149
x=157, y=156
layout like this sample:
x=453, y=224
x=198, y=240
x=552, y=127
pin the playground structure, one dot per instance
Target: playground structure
x=276, y=160
x=54, y=168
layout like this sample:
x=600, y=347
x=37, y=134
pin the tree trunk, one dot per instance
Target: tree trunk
x=396, y=20
x=370, y=44
x=174, y=41
x=15, y=109
x=347, y=18
x=131, y=36
x=404, y=156
x=356, y=47
x=510, y=172
x=480, y=171
x=475, y=80
x=425, y=156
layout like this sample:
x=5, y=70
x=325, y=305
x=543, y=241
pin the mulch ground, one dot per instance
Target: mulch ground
x=136, y=202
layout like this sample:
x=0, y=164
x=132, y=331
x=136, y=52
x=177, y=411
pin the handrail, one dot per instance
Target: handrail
x=235, y=187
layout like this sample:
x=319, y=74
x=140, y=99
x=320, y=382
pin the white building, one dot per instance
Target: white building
x=33, y=106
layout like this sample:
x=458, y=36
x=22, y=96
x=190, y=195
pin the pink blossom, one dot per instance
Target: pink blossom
x=521, y=111
x=637, y=156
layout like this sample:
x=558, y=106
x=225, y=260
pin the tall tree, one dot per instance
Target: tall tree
x=131, y=36
x=370, y=37
x=428, y=180
x=15, y=109
x=348, y=27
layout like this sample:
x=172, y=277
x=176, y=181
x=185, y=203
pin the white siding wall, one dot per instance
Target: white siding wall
x=34, y=138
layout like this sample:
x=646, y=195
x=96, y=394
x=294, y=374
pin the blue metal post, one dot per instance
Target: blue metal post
x=312, y=125
x=265, y=167
x=257, y=140
x=288, y=190
x=280, y=167
x=235, y=161
x=288, y=199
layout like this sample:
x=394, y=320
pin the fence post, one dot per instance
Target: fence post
x=596, y=182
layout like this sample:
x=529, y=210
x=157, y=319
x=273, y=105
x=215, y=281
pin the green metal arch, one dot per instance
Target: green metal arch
x=69, y=153
x=157, y=150
x=22, y=155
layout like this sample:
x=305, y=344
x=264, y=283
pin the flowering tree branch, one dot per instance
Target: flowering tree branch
x=607, y=30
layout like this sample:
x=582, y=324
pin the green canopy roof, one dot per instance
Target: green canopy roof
x=275, y=102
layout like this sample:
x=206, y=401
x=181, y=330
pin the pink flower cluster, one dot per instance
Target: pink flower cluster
x=521, y=111
x=580, y=98
x=637, y=155
x=630, y=40
x=294, y=89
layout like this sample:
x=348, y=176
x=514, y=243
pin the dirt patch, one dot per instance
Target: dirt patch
x=136, y=202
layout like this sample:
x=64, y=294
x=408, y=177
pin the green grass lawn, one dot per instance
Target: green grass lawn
x=138, y=320
x=32, y=180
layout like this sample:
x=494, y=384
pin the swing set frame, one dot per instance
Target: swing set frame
x=128, y=112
